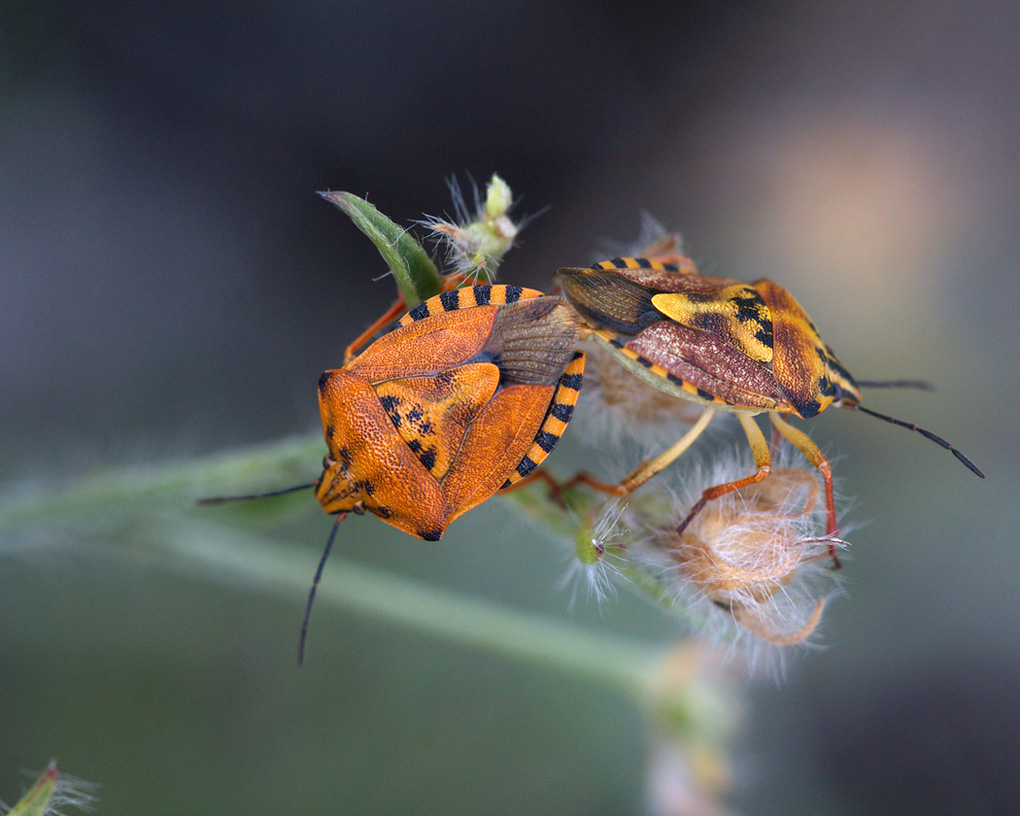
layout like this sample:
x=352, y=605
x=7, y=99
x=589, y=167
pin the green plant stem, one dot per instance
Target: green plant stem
x=156, y=505
x=274, y=567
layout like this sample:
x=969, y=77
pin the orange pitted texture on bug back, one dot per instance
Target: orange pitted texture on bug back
x=799, y=359
x=372, y=464
x=495, y=444
x=428, y=346
x=432, y=414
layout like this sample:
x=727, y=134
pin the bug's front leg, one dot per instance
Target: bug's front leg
x=803, y=443
x=762, y=461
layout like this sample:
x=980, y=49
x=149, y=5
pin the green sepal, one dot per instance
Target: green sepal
x=416, y=276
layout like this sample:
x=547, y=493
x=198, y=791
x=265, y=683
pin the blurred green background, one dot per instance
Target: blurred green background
x=171, y=286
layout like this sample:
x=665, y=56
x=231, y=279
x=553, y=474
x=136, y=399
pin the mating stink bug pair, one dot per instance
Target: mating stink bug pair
x=473, y=388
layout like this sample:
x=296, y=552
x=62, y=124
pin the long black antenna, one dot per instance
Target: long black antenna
x=254, y=496
x=938, y=440
x=920, y=385
x=315, y=586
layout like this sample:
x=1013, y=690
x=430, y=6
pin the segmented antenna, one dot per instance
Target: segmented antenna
x=254, y=496
x=938, y=440
x=920, y=385
x=315, y=586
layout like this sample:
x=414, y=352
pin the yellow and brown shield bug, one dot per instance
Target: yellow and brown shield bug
x=746, y=348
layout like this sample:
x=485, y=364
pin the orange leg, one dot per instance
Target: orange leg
x=760, y=449
x=803, y=443
x=388, y=316
x=555, y=489
x=451, y=281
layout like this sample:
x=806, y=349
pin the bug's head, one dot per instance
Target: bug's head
x=369, y=467
x=840, y=388
x=336, y=490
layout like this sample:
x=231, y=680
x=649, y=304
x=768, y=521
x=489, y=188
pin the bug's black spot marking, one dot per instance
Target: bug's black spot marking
x=822, y=355
x=428, y=458
x=562, y=411
x=383, y=512
x=710, y=322
x=546, y=441
x=513, y=294
x=330, y=431
x=670, y=267
x=366, y=487
x=323, y=379
x=577, y=355
x=749, y=306
x=389, y=405
x=699, y=297
x=419, y=312
x=764, y=337
x=426, y=428
x=808, y=408
x=644, y=263
x=619, y=263
x=482, y=294
x=673, y=378
x=416, y=414
x=526, y=466
x=450, y=301
x=415, y=446
x=571, y=381
x=705, y=395
x=617, y=343
x=506, y=484
x=430, y=535
x=343, y=456
x=644, y=361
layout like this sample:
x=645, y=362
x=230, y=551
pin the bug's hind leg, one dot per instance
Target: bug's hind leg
x=763, y=465
x=646, y=470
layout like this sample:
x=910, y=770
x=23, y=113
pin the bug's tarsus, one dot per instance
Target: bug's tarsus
x=315, y=586
x=920, y=385
x=254, y=496
x=938, y=440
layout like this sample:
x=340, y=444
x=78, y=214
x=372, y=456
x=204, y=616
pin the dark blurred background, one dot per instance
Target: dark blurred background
x=170, y=285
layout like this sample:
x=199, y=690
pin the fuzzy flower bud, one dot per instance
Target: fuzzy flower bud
x=476, y=242
x=757, y=554
x=53, y=791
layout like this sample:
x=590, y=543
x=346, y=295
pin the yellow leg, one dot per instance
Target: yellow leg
x=802, y=442
x=646, y=470
x=763, y=465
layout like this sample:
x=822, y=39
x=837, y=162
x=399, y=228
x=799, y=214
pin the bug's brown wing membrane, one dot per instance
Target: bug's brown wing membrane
x=608, y=300
x=533, y=341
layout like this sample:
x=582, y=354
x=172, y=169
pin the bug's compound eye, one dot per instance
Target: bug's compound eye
x=837, y=393
x=327, y=463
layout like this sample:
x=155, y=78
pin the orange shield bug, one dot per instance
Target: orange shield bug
x=746, y=348
x=465, y=397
